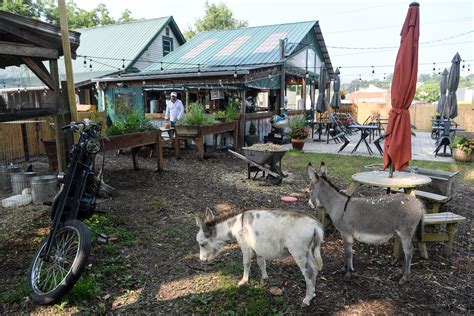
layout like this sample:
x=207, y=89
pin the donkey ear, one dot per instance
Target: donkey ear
x=312, y=175
x=198, y=221
x=323, y=169
x=209, y=214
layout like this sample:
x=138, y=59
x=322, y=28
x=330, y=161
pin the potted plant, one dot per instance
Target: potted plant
x=298, y=133
x=462, y=149
x=252, y=137
x=193, y=119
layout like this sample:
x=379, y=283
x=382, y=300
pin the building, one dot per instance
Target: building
x=372, y=94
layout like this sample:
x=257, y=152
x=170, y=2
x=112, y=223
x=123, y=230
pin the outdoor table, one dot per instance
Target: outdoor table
x=365, y=131
x=400, y=180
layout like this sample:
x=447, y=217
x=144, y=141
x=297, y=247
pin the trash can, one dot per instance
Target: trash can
x=19, y=182
x=43, y=188
x=5, y=173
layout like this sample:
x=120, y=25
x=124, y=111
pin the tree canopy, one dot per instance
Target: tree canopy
x=78, y=18
x=216, y=17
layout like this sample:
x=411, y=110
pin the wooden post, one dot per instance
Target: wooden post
x=58, y=118
x=282, y=83
x=242, y=121
x=303, y=92
x=67, y=59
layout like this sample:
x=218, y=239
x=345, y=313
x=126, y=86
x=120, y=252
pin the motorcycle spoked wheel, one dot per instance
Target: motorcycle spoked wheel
x=49, y=280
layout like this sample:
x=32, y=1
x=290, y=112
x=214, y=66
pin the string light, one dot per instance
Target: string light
x=85, y=62
x=434, y=67
x=90, y=64
x=199, y=69
x=123, y=63
x=235, y=72
x=373, y=71
x=161, y=67
x=384, y=76
x=360, y=77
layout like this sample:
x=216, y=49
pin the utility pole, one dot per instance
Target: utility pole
x=67, y=59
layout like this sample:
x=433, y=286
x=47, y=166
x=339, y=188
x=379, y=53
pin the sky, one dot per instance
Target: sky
x=446, y=27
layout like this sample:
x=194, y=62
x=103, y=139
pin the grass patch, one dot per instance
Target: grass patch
x=16, y=295
x=105, y=224
x=86, y=289
x=344, y=166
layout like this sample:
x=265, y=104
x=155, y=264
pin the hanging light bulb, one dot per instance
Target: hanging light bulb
x=360, y=78
x=161, y=68
x=199, y=69
x=463, y=65
x=235, y=72
x=373, y=71
x=123, y=63
x=85, y=62
x=143, y=82
x=434, y=66
x=90, y=64
x=306, y=74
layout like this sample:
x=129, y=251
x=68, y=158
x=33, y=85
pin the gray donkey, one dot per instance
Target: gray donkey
x=371, y=220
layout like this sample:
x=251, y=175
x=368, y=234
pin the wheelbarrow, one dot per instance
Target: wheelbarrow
x=267, y=161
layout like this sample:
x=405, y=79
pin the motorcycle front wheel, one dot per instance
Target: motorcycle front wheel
x=50, y=279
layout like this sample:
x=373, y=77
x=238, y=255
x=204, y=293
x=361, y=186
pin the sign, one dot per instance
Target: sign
x=217, y=94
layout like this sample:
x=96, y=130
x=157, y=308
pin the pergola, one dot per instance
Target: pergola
x=32, y=43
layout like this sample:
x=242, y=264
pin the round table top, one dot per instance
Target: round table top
x=399, y=179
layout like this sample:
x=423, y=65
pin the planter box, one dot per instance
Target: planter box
x=135, y=141
x=197, y=133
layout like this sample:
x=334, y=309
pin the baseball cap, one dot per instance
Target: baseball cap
x=174, y=94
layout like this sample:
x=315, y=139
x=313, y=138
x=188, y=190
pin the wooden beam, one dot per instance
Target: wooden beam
x=14, y=49
x=67, y=59
x=32, y=38
x=39, y=70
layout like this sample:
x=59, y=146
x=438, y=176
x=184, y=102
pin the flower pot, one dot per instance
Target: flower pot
x=297, y=143
x=461, y=155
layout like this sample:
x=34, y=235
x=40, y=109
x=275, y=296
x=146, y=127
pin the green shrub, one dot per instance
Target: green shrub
x=231, y=111
x=131, y=122
x=297, y=127
x=196, y=116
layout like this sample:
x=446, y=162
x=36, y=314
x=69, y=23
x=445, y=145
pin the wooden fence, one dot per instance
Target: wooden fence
x=14, y=134
x=420, y=114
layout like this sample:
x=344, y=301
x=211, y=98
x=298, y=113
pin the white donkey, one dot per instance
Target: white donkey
x=270, y=234
x=372, y=221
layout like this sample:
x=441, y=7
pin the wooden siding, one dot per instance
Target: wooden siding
x=155, y=51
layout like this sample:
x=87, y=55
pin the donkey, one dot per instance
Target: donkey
x=370, y=220
x=270, y=234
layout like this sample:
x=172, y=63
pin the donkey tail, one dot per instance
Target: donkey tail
x=318, y=240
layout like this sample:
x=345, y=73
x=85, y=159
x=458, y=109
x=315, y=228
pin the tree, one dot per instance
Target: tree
x=77, y=18
x=428, y=91
x=216, y=17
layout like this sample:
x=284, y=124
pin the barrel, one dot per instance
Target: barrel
x=5, y=173
x=153, y=106
x=43, y=188
x=21, y=180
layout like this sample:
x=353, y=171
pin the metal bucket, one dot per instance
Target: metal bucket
x=5, y=175
x=43, y=188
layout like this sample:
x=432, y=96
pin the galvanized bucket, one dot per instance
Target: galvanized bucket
x=20, y=181
x=5, y=172
x=43, y=188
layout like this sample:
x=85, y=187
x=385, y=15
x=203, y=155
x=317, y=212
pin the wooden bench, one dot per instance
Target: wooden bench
x=449, y=219
x=435, y=199
x=446, y=236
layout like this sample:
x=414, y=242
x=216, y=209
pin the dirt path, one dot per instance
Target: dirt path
x=162, y=261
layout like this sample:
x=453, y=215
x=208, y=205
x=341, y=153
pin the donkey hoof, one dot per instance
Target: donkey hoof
x=403, y=280
x=305, y=303
x=243, y=282
x=263, y=281
x=347, y=276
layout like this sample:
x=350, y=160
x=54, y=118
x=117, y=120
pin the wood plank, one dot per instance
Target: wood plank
x=443, y=218
x=16, y=49
x=431, y=196
x=25, y=114
x=40, y=71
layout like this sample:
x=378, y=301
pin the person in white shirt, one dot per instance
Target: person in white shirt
x=174, y=109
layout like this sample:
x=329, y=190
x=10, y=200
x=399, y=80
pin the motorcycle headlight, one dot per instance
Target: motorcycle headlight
x=60, y=177
x=93, y=145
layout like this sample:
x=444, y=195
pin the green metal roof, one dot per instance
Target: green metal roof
x=108, y=45
x=240, y=47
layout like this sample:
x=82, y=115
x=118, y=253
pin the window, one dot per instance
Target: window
x=167, y=45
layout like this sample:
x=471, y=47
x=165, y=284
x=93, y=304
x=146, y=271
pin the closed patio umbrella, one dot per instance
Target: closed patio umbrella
x=336, y=98
x=322, y=102
x=453, y=82
x=397, y=144
x=440, y=107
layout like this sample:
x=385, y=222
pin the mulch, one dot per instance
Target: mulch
x=159, y=209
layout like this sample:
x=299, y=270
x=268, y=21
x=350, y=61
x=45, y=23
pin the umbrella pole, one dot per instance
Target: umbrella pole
x=390, y=170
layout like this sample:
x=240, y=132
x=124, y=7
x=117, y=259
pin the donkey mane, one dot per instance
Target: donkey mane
x=223, y=217
x=334, y=186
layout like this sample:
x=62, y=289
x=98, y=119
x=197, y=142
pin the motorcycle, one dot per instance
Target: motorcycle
x=62, y=257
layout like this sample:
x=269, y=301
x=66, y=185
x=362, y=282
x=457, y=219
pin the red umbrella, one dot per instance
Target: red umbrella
x=397, y=144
